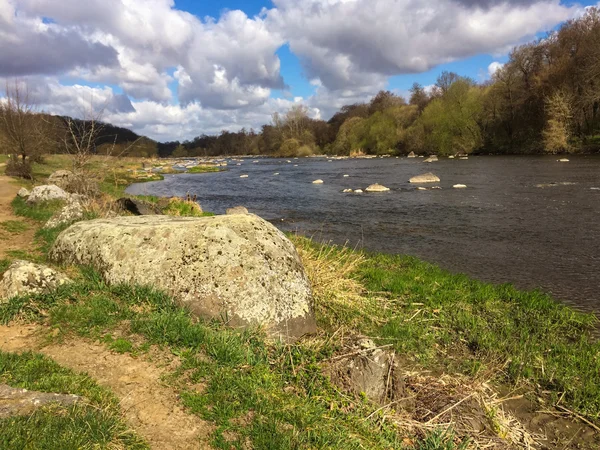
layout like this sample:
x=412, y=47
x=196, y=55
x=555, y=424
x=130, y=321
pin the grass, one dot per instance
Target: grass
x=185, y=208
x=14, y=226
x=453, y=323
x=94, y=424
x=203, y=169
x=41, y=212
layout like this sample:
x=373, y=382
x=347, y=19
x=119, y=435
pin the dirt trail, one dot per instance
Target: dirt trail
x=9, y=241
x=150, y=408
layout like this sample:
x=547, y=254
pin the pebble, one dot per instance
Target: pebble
x=243, y=176
x=317, y=182
x=459, y=186
x=358, y=191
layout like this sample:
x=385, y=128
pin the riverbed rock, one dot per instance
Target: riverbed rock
x=239, y=268
x=425, y=178
x=346, y=191
x=47, y=193
x=21, y=402
x=411, y=155
x=563, y=160
x=23, y=193
x=431, y=159
x=237, y=210
x=243, y=176
x=61, y=178
x=137, y=207
x=317, y=182
x=377, y=188
x=24, y=277
x=460, y=186
x=346, y=176
x=71, y=212
x=358, y=191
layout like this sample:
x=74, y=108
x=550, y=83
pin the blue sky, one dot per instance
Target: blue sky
x=174, y=70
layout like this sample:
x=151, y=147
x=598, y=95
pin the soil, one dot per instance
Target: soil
x=149, y=406
x=12, y=241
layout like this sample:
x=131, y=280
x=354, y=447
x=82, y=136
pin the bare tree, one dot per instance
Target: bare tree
x=24, y=133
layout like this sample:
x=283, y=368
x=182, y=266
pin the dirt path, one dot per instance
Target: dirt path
x=150, y=408
x=12, y=241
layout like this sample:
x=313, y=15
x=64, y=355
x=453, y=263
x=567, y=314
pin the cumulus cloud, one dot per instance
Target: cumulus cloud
x=494, y=67
x=348, y=43
x=172, y=75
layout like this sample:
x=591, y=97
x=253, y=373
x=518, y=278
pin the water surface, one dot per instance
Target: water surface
x=531, y=221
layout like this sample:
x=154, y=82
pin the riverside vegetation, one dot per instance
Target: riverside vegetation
x=467, y=351
x=478, y=361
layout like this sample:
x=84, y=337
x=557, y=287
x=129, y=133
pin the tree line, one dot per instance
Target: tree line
x=546, y=98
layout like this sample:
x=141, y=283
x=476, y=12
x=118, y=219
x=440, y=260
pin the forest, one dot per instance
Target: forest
x=545, y=99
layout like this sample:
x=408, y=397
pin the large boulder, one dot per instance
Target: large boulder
x=239, y=267
x=425, y=178
x=47, y=193
x=71, y=212
x=24, y=277
x=62, y=179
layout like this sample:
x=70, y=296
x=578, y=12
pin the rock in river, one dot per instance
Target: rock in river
x=377, y=188
x=431, y=159
x=425, y=178
x=460, y=186
x=239, y=268
x=317, y=182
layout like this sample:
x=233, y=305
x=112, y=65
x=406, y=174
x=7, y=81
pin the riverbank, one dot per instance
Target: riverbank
x=475, y=363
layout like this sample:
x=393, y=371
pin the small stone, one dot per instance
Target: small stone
x=377, y=188
x=421, y=189
x=317, y=182
x=411, y=155
x=431, y=159
x=460, y=186
x=464, y=157
x=276, y=173
x=358, y=191
x=243, y=176
x=21, y=402
x=346, y=191
x=425, y=178
x=346, y=176
x=451, y=157
x=23, y=193
x=563, y=160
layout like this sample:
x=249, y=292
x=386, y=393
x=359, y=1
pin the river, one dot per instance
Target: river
x=531, y=221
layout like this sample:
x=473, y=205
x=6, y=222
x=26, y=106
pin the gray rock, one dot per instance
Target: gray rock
x=46, y=193
x=364, y=369
x=431, y=159
x=62, y=179
x=21, y=402
x=237, y=210
x=71, y=212
x=377, y=188
x=425, y=178
x=238, y=267
x=24, y=277
x=23, y=193
x=137, y=207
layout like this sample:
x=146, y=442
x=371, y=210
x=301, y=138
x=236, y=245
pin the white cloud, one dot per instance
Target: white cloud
x=186, y=75
x=494, y=67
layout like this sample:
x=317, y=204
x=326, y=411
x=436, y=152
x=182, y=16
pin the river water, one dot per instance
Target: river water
x=531, y=221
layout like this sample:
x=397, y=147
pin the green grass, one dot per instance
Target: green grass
x=273, y=395
x=14, y=226
x=41, y=212
x=95, y=424
x=185, y=208
x=204, y=169
x=453, y=323
x=115, y=185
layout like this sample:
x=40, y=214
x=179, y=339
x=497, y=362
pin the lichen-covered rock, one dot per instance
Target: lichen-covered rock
x=61, y=178
x=46, y=193
x=425, y=178
x=237, y=210
x=239, y=268
x=71, y=212
x=24, y=277
x=23, y=193
x=21, y=402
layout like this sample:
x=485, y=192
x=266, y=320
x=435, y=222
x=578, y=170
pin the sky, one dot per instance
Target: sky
x=176, y=69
